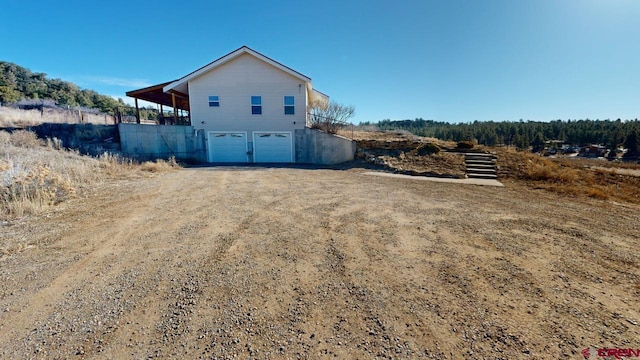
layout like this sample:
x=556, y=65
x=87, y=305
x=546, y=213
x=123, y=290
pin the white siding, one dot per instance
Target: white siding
x=235, y=83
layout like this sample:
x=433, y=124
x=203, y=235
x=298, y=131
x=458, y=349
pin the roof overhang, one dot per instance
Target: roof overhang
x=156, y=94
x=318, y=99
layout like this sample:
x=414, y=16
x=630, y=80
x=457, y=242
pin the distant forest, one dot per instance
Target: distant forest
x=522, y=134
x=20, y=84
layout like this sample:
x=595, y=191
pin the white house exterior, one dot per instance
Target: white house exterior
x=242, y=108
x=248, y=106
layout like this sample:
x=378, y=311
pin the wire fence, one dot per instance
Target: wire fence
x=16, y=117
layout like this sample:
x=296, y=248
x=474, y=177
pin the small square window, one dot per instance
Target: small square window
x=289, y=108
x=214, y=101
x=289, y=100
x=256, y=105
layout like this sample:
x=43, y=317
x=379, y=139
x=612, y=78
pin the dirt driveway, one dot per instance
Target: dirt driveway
x=299, y=263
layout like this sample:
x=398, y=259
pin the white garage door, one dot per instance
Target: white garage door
x=227, y=147
x=273, y=147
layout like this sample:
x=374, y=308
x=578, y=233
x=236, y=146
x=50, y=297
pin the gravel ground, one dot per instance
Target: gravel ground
x=302, y=263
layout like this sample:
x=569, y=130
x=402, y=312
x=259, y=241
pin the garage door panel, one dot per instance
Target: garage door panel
x=273, y=146
x=227, y=147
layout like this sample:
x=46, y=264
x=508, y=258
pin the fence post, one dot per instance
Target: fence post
x=137, y=112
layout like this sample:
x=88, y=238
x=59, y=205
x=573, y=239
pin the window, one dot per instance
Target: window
x=256, y=105
x=289, y=108
x=214, y=101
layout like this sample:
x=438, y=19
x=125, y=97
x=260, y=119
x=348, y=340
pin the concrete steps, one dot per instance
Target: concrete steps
x=481, y=171
x=480, y=166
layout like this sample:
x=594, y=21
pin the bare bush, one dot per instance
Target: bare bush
x=25, y=139
x=331, y=118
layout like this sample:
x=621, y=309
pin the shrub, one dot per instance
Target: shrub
x=25, y=139
x=428, y=149
x=159, y=165
x=29, y=190
x=597, y=193
x=466, y=144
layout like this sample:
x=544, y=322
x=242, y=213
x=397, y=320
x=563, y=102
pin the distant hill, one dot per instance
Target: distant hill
x=18, y=83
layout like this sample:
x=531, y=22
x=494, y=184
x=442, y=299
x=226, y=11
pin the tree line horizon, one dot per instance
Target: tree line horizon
x=18, y=83
x=524, y=134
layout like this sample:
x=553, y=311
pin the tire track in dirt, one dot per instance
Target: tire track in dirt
x=107, y=258
x=159, y=316
x=275, y=263
x=199, y=284
x=246, y=306
x=75, y=274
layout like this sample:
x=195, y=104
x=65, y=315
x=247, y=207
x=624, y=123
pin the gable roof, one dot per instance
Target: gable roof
x=181, y=84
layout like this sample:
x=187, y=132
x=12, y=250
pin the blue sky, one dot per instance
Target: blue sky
x=453, y=60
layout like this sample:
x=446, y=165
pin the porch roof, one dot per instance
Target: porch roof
x=155, y=94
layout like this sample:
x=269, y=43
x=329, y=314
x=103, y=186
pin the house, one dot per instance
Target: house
x=246, y=107
x=592, y=151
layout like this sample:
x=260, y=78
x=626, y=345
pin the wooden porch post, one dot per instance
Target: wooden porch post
x=161, y=119
x=137, y=112
x=175, y=109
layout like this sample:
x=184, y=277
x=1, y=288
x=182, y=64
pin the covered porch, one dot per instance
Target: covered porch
x=175, y=100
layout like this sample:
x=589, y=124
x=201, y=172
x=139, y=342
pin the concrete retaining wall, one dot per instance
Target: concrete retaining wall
x=162, y=141
x=87, y=138
x=147, y=142
x=317, y=147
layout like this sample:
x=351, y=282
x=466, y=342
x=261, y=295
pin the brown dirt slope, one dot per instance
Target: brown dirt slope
x=286, y=263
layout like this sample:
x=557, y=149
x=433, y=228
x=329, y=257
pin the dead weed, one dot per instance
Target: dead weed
x=568, y=177
x=35, y=175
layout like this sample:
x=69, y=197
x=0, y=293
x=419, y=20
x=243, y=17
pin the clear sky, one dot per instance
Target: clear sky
x=447, y=60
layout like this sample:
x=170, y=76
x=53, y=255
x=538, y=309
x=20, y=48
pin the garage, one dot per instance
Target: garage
x=273, y=146
x=227, y=147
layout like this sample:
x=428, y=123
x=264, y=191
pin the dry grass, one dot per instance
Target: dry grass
x=159, y=165
x=10, y=117
x=538, y=168
x=25, y=139
x=589, y=162
x=567, y=176
x=390, y=135
x=35, y=175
